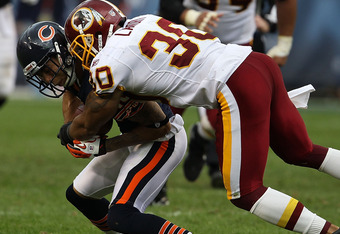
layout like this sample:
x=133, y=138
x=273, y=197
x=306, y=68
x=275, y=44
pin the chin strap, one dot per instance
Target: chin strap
x=110, y=33
x=57, y=48
x=71, y=77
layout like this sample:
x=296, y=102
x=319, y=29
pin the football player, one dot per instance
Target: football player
x=232, y=22
x=149, y=57
x=8, y=63
x=138, y=161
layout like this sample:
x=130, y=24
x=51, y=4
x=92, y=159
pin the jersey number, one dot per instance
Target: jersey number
x=147, y=48
x=108, y=74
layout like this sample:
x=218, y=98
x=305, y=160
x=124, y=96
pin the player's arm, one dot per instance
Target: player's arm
x=99, y=109
x=71, y=106
x=286, y=14
x=286, y=17
x=153, y=125
x=137, y=136
x=99, y=146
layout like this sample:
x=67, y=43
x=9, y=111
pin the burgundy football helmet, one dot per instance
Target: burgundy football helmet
x=89, y=26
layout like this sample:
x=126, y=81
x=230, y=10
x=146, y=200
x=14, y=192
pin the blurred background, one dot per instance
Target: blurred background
x=314, y=58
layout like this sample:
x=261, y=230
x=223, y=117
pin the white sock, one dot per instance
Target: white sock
x=278, y=208
x=331, y=163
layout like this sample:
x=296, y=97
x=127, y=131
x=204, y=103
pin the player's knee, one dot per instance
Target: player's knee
x=71, y=195
x=247, y=201
x=120, y=217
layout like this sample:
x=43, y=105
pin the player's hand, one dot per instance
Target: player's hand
x=208, y=20
x=85, y=149
x=63, y=134
x=205, y=20
x=261, y=24
x=281, y=51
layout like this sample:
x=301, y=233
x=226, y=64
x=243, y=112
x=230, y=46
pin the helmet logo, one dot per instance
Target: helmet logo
x=49, y=37
x=85, y=17
x=82, y=17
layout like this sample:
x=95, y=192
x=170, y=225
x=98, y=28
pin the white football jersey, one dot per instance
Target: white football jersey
x=153, y=57
x=237, y=25
x=8, y=59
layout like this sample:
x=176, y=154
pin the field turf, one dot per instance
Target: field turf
x=35, y=171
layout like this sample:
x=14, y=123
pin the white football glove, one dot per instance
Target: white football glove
x=88, y=148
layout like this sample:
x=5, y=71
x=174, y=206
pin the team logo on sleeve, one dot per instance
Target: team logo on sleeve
x=46, y=33
x=127, y=108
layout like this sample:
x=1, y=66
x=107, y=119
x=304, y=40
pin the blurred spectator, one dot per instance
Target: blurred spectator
x=266, y=26
x=8, y=60
x=135, y=8
x=62, y=9
x=31, y=11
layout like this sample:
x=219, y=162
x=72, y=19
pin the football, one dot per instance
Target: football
x=106, y=127
x=79, y=110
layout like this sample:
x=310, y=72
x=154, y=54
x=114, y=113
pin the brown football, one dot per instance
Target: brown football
x=106, y=127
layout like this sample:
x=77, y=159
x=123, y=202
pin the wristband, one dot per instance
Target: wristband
x=191, y=17
x=64, y=135
x=283, y=47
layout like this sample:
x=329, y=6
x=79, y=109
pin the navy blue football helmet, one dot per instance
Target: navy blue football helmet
x=36, y=46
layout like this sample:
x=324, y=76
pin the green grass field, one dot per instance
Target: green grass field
x=35, y=171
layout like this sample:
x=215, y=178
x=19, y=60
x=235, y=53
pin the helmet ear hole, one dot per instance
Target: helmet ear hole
x=68, y=60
